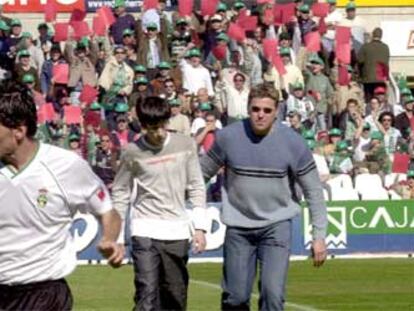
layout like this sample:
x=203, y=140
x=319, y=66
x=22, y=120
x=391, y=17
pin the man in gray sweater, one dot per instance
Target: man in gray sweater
x=263, y=159
x=155, y=174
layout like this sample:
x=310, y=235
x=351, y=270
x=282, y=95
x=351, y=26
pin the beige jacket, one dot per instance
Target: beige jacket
x=107, y=78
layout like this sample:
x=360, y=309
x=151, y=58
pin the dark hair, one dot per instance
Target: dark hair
x=169, y=80
x=17, y=107
x=264, y=90
x=387, y=114
x=152, y=110
x=239, y=75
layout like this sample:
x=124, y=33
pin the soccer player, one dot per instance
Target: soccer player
x=163, y=166
x=259, y=200
x=41, y=189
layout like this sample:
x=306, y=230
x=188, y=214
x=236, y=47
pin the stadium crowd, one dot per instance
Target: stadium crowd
x=204, y=66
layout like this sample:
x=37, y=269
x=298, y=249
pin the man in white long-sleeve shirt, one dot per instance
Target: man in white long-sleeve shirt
x=164, y=166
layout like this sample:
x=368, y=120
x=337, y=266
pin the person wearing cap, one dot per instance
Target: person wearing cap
x=405, y=188
x=305, y=23
x=24, y=67
x=357, y=24
x=36, y=54
x=164, y=73
x=321, y=91
x=345, y=92
x=299, y=102
x=117, y=77
x=152, y=45
x=293, y=73
x=121, y=136
x=178, y=122
x=222, y=10
x=82, y=57
x=327, y=148
x=123, y=21
x=404, y=121
x=215, y=63
x=373, y=57
x=181, y=36
x=128, y=38
x=195, y=75
x=258, y=204
x=380, y=92
x=74, y=144
x=332, y=20
x=214, y=27
x=142, y=89
x=29, y=81
x=46, y=74
x=200, y=117
x=341, y=162
x=361, y=141
x=3, y=17
x=140, y=71
x=285, y=41
x=376, y=160
x=15, y=32
x=44, y=40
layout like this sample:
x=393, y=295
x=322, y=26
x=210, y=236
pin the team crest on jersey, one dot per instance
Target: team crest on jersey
x=42, y=198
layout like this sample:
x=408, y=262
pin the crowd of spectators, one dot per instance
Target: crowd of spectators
x=205, y=73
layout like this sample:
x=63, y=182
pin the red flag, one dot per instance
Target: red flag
x=400, y=163
x=343, y=53
x=61, y=32
x=236, y=32
x=382, y=71
x=60, y=73
x=268, y=16
x=342, y=35
x=322, y=26
x=150, y=4
x=269, y=48
x=248, y=23
x=106, y=16
x=77, y=16
x=88, y=94
x=219, y=52
x=343, y=75
x=208, y=7
x=50, y=12
x=278, y=63
x=283, y=13
x=72, y=114
x=313, y=41
x=185, y=7
x=81, y=29
x=320, y=9
x=98, y=26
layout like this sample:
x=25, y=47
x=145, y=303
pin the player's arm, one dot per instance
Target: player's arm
x=308, y=178
x=213, y=160
x=197, y=196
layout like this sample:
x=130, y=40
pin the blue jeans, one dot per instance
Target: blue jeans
x=243, y=249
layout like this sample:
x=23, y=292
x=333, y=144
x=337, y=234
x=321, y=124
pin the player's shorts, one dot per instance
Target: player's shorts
x=43, y=296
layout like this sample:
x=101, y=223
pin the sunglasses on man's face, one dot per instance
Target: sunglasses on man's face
x=265, y=110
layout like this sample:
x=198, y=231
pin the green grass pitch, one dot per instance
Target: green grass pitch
x=366, y=284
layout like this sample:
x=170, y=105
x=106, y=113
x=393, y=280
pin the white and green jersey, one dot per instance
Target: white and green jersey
x=37, y=205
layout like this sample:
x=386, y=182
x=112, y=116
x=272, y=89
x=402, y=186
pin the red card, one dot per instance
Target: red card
x=313, y=41
x=72, y=114
x=278, y=63
x=343, y=53
x=77, y=16
x=248, y=23
x=343, y=75
x=265, y=1
x=45, y=113
x=61, y=73
x=98, y=26
x=92, y=118
x=342, y=35
x=185, y=7
x=88, y=94
x=106, y=16
x=382, y=71
x=283, y=13
x=81, y=29
x=236, y=32
x=61, y=32
x=219, y=52
x=150, y=4
x=208, y=7
x=50, y=12
x=320, y=9
x=268, y=16
x=269, y=48
x=400, y=163
x=322, y=26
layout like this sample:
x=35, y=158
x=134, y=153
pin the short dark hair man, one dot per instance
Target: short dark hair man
x=259, y=200
x=39, y=195
x=164, y=166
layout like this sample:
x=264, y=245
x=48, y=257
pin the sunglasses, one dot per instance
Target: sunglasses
x=386, y=120
x=238, y=80
x=119, y=52
x=265, y=110
x=169, y=85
